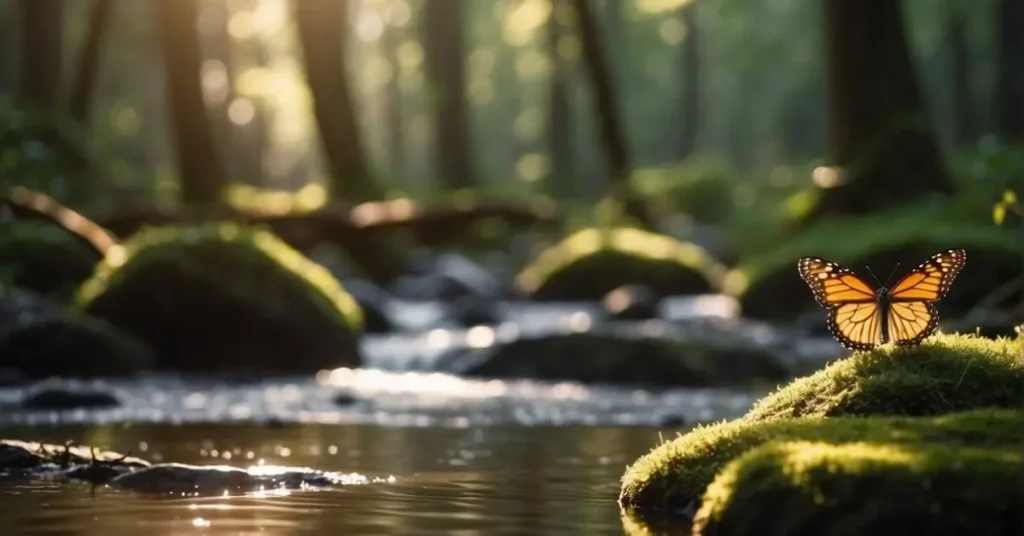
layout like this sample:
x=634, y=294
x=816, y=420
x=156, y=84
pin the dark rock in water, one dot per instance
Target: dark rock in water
x=64, y=395
x=78, y=463
x=11, y=378
x=223, y=298
x=345, y=399
x=644, y=353
x=471, y=311
x=632, y=302
x=38, y=339
x=673, y=420
x=374, y=302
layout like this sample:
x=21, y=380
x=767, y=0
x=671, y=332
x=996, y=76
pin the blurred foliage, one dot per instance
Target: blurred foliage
x=43, y=151
x=43, y=258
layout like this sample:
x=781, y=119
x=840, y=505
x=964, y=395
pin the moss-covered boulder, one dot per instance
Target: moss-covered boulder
x=44, y=258
x=673, y=476
x=768, y=285
x=590, y=263
x=945, y=373
x=224, y=297
x=39, y=339
x=805, y=488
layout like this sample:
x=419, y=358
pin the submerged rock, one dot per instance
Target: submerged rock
x=225, y=298
x=77, y=463
x=64, y=395
x=39, y=339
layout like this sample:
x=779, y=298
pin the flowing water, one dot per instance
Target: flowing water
x=435, y=454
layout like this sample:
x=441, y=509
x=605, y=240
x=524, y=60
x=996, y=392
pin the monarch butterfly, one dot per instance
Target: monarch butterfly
x=861, y=317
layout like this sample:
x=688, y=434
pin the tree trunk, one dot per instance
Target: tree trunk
x=39, y=84
x=202, y=173
x=444, y=57
x=560, y=180
x=84, y=85
x=394, y=128
x=690, y=92
x=612, y=135
x=1009, y=91
x=880, y=135
x=964, y=125
x=322, y=26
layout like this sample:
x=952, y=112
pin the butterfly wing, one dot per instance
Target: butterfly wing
x=911, y=315
x=931, y=280
x=854, y=318
x=909, y=322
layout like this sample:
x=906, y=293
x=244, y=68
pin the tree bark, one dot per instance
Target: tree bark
x=202, y=172
x=690, y=92
x=444, y=56
x=612, y=134
x=1009, y=91
x=39, y=84
x=84, y=84
x=322, y=26
x=393, y=112
x=880, y=135
x=560, y=180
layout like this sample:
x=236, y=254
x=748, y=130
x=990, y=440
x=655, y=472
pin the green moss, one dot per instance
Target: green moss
x=676, y=472
x=945, y=373
x=592, y=262
x=804, y=488
x=44, y=258
x=177, y=286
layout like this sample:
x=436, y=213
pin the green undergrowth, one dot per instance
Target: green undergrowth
x=804, y=488
x=592, y=262
x=945, y=373
x=676, y=472
x=44, y=258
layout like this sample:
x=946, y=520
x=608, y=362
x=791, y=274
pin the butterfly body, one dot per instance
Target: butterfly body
x=862, y=317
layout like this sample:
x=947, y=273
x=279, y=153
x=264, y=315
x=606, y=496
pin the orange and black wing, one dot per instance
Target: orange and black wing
x=854, y=315
x=909, y=322
x=931, y=280
x=911, y=316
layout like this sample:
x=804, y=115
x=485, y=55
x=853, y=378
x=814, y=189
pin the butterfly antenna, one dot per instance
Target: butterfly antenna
x=873, y=275
x=892, y=273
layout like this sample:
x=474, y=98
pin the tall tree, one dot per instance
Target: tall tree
x=394, y=130
x=612, y=134
x=202, y=172
x=323, y=28
x=559, y=132
x=964, y=125
x=444, y=56
x=39, y=82
x=690, y=92
x=88, y=66
x=879, y=132
x=1009, y=92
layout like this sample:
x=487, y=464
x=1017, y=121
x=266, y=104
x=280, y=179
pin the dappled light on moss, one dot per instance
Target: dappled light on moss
x=309, y=198
x=816, y=488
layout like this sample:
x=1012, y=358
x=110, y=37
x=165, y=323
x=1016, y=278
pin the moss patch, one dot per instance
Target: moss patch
x=676, y=473
x=767, y=284
x=807, y=488
x=945, y=373
x=223, y=295
x=590, y=263
x=44, y=258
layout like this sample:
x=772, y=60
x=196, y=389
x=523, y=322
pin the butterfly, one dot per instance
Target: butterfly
x=862, y=317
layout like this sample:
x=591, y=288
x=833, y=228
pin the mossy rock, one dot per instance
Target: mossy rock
x=227, y=298
x=945, y=373
x=673, y=475
x=768, y=285
x=805, y=488
x=590, y=263
x=44, y=258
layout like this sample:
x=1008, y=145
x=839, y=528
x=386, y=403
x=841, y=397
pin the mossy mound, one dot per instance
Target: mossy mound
x=768, y=286
x=590, y=263
x=945, y=373
x=224, y=297
x=675, y=474
x=44, y=258
x=804, y=488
